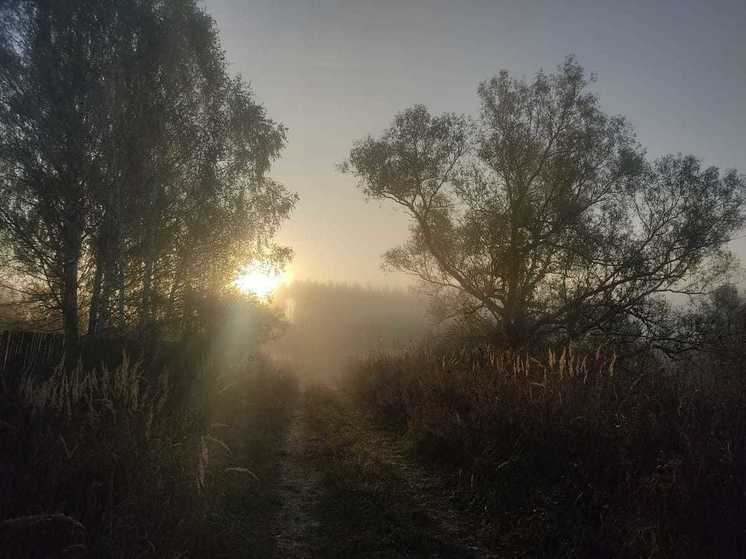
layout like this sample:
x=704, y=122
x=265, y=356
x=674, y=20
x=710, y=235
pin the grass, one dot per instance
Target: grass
x=572, y=455
x=366, y=508
x=564, y=454
x=148, y=467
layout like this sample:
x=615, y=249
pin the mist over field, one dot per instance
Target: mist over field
x=329, y=326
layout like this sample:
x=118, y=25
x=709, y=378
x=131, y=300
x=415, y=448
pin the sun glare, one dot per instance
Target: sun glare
x=260, y=279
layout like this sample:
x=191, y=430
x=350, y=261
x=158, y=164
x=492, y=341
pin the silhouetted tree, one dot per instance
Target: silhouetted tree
x=712, y=332
x=50, y=142
x=133, y=165
x=544, y=218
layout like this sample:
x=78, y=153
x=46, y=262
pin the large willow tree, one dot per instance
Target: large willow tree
x=133, y=167
x=544, y=219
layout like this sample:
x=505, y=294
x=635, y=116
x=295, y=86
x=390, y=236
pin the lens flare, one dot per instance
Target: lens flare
x=260, y=279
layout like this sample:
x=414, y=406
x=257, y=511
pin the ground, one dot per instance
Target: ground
x=346, y=489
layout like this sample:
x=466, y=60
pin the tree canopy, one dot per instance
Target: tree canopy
x=544, y=218
x=133, y=166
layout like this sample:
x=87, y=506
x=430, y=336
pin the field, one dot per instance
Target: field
x=573, y=455
x=474, y=453
x=140, y=460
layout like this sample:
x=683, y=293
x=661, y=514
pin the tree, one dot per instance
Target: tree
x=544, y=218
x=134, y=167
x=49, y=142
x=714, y=331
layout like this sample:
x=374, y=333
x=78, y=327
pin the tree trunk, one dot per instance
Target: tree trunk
x=151, y=233
x=104, y=312
x=147, y=295
x=94, y=323
x=70, y=317
x=121, y=295
x=182, y=281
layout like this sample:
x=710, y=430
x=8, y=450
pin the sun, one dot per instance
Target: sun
x=260, y=279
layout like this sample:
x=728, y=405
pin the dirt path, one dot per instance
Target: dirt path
x=349, y=490
x=298, y=490
x=427, y=493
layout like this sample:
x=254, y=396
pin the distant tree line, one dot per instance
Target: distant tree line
x=544, y=220
x=133, y=166
x=331, y=324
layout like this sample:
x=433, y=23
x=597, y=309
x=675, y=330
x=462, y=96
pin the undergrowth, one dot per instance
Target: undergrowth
x=145, y=468
x=568, y=455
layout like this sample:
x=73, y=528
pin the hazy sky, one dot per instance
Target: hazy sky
x=336, y=70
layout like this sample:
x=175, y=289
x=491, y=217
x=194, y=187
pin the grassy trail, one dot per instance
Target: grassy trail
x=347, y=490
x=298, y=490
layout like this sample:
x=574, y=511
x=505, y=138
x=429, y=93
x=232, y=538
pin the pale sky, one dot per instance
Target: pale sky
x=335, y=70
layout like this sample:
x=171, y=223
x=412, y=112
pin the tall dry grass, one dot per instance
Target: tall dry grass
x=568, y=454
x=142, y=465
